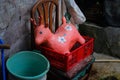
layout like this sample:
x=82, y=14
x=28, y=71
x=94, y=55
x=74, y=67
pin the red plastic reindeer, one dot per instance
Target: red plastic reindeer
x=62, y=40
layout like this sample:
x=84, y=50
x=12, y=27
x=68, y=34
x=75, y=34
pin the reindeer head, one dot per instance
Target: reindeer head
x=41, y=31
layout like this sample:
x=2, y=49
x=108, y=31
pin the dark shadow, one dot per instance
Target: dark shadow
x=110, y=78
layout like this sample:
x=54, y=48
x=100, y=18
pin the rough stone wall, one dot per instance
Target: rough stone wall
x=107, y=39
x=113, y=36
x=15, y=24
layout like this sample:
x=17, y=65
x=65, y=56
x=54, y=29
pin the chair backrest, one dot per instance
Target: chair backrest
x=47, y=9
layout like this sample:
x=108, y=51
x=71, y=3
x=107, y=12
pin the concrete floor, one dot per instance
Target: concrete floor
x=102, y=70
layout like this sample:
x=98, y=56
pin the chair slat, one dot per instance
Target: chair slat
x=41, y=13
x=46, y=12
x=51, y=14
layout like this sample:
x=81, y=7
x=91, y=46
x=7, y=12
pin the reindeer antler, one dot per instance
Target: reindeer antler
x=40, y=21
x=33, y=21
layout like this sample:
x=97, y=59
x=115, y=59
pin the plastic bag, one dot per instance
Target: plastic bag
x=75, y=12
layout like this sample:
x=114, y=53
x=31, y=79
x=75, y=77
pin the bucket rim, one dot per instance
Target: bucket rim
x=28, y=77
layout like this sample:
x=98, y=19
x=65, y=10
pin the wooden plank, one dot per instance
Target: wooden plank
x=107, y=60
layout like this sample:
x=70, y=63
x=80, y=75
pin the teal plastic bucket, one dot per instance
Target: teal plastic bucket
x=28, y=65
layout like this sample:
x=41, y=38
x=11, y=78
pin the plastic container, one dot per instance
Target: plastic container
x=78, y=71
x=84, y=71
x=28, y=65
x=66, y=62
x=55, y=74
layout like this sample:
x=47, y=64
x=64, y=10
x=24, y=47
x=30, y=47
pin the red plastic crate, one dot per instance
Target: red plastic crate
x=76, y=73
x=66, y=62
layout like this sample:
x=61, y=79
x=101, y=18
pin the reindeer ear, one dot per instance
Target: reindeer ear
x=33, y=21
x=63, y=20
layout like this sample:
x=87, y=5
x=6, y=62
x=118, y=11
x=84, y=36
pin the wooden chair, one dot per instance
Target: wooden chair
x=48, y=10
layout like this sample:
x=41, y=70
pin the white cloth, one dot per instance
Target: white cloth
x=75, y=12
x=77, y=17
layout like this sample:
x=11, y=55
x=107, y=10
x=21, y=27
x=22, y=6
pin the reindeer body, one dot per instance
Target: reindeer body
x=62, y=40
